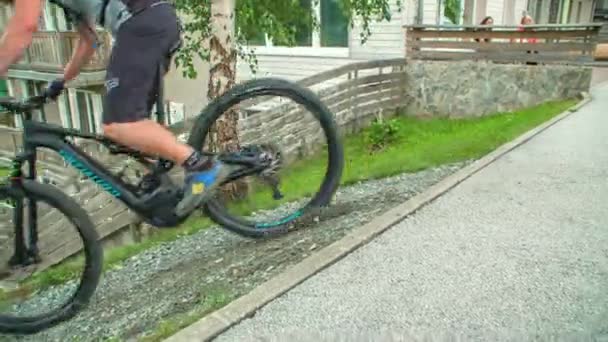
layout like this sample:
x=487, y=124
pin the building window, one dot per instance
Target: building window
x=35, y=88
x=332, y=33
x=304, y=33
x=334, y=25
x=87, y=110
x=85, y=114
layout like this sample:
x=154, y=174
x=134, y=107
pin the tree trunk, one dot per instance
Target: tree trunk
x=222, y=76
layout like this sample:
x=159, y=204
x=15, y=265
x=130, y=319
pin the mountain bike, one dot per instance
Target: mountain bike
x=155, y=196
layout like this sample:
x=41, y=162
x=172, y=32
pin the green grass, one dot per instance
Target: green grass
x=212, y=300
x=4, y=172
x=420, y=144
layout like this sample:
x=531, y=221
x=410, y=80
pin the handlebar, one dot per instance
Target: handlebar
x=22, y=106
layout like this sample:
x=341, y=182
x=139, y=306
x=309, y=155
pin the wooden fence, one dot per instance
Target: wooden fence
x=510, y=44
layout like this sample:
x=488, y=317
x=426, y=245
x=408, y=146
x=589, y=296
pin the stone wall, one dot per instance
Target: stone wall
x=479, y=88
x=419, y=88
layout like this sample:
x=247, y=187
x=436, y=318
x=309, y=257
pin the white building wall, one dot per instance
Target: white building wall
x=387, y=39
x=495, y=9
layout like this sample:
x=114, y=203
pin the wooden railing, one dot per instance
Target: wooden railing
x=50, y=51
x=511, y=44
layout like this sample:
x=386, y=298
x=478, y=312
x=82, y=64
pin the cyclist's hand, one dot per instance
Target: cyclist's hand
x=54, y=89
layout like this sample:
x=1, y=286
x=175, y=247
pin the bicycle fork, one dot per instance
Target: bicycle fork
x=25, y=255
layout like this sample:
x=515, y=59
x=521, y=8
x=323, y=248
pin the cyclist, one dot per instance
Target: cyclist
x=147, y=33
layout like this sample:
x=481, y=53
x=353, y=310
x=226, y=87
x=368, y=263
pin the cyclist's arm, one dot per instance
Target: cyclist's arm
x=19, y=31
x=83, y=51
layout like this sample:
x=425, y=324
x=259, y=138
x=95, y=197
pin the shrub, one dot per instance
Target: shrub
x=381, y=133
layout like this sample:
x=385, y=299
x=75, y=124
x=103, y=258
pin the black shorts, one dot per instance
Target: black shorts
x=141, y=44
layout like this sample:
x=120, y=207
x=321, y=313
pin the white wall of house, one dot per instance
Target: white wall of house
x=581, y=11
x=387, y=41
x=520, y=7
x=430, y=10
x=494, y=9
x=289, y=66
x=191, y=94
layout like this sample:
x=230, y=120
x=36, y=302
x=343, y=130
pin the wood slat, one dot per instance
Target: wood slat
x=341, y=71
x=362, y=89
x=510, y=27
x=498, y=57
x=57, y=236
x=73, y=245
x=500, y=47
x=369, y=91
x=501, y=34
x=112, y=209
x=122, y=220
x=360, y=104
x=358, y=85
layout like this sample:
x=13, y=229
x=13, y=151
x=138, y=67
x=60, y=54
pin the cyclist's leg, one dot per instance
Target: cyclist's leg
x=131, y=75
x=142, y=43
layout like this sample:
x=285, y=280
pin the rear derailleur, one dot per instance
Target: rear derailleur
x=270, y=158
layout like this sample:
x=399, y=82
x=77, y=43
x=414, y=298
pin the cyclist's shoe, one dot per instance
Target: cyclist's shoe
x=200, y=185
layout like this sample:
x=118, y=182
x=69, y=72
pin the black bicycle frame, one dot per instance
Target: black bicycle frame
x=36, y=135
x=44, y=135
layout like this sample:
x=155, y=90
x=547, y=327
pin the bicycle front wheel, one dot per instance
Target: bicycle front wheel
x=41, y=300
x=294, y=132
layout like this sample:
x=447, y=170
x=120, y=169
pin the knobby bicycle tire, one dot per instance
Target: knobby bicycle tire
x=303, y=96
x=93, y=259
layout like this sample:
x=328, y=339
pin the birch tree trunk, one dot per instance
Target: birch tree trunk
x=222, y=76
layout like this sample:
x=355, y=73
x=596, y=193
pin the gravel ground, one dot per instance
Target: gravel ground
x=175, y=277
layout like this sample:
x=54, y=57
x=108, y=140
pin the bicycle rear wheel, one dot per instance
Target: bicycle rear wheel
x=298, y=138
x=36, y=295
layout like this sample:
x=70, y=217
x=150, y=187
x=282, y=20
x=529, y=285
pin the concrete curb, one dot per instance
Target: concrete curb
x=221, y=320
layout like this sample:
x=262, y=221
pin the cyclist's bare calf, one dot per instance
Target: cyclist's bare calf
x=149, y=137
